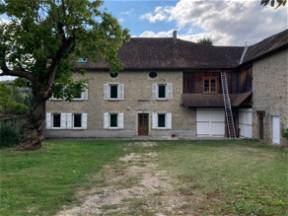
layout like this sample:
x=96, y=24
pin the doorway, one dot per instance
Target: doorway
x=143, y=124
x=276, y=129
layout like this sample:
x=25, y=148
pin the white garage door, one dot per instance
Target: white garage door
x=245, y=123
x=210, y=122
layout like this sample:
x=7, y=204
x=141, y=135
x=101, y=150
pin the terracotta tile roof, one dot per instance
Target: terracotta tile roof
x=210, y=100
x=170, y=53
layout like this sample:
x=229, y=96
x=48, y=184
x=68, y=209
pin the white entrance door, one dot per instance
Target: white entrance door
x=210, y=122
x=245, y=123
x=276, y=129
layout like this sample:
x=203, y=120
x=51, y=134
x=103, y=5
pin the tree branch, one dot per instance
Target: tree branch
x=19, y=72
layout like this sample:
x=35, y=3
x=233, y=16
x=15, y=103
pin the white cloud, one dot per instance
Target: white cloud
x=159, y=14
x=128, y=12
x=227, y=22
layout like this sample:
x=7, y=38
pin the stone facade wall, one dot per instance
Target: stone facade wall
x=138, y=98
x=270, y=93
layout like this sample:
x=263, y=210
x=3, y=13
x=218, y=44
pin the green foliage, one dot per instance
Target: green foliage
x=44, y=38
x=232, y=177
x=285, y=133
x=13, y=100
x=206, y=41
x=274, y=3
x=10, y=132
x=39, y=183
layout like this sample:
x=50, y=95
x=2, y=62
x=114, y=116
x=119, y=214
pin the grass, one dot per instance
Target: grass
x=229, y=177
x=217, y=177
x=40, y=182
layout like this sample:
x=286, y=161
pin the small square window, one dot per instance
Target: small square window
x=161, y=120
x=113, y=91
x=77, y=120
x=113, y=120
x=161, y=91
x=56, y=120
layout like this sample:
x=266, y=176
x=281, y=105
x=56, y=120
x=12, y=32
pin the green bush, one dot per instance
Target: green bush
x=10, y=133
x=285, y=133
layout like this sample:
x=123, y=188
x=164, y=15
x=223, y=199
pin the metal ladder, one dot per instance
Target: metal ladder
x=228, y=107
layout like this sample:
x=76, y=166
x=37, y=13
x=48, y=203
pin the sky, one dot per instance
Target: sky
x=233, y=22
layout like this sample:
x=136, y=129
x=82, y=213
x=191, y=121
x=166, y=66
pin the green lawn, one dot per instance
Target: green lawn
x=219, y=177
x=40, y=182
x=229, y=177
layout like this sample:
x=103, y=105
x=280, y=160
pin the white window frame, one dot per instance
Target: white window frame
x=83, y=121
x=168, y=91
x=107, y=91
x=120, y=120
x=168, y=121
x=62, y=121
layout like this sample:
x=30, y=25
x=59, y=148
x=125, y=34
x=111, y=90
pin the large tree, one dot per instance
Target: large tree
x=41, y=41
x=274, y=3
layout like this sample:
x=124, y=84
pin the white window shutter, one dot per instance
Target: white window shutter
x=169, y=90
x=106, y=91
x=84, y=120
x=154, y=90
x=154, y=120
x=68, y=120
x=168, y=120
x=63, y=120
x=48, y=121
x=121, y=120
x=121, y=91
x=106, y=120
x=84, y=94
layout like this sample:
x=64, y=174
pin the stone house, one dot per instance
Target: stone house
x=175, y=88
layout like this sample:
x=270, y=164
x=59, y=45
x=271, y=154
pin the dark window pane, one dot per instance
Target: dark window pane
x=77, y=120
x=114, y=120
x=113, y=74
x=212, y=85
x=162, y=91
x=56, y=120
x=152, y=74
x=114, y=91
x=78, y=94
x=161, y=120
x=206, y=85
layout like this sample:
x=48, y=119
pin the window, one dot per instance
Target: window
x=161, y=120
x=153, y=74
x=210, y=85
x=113, y=74
x=78, y=95
x=56, y=120
x=77, y=120
x=161, y=91
x=113, y=120
x=113, y=91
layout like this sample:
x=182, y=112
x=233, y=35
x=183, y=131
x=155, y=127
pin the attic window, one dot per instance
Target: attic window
x=113, y=74
x=152, y=74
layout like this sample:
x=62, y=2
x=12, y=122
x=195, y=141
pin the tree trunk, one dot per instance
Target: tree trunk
x=34, y=126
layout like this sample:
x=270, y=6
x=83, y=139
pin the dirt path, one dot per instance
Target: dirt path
x=134, y=186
